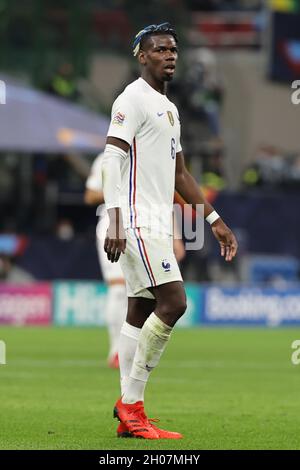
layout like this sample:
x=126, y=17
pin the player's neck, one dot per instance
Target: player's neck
x=161, y=87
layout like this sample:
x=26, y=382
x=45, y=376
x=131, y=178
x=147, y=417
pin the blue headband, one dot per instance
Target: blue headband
x=153, y=28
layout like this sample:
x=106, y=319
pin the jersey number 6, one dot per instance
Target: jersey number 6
x=173, y=150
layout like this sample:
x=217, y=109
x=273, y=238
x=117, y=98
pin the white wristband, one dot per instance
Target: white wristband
x=212, y=217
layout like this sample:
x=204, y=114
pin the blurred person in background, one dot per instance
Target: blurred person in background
x=270, y=168
x=10, y=272
x=63, y=83
x=116, y=304
x=143, y=165
x=203, y=88
x=64, y=229
x=116, y=300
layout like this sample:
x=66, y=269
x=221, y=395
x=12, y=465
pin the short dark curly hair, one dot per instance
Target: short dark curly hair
x=152, y=30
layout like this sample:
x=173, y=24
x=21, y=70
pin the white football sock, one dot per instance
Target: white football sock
x=151, y=344
x=115, y=312
x=127, y=346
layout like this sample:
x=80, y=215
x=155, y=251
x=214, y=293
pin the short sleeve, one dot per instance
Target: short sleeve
x=178, y=148
x=178, y=143
x=126, y=118
x=94, y=181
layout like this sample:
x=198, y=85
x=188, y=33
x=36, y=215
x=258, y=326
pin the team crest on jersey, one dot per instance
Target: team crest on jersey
x=166, y=266
x=118, y=118
x=171, y=117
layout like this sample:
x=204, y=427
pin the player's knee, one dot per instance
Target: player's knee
x=171, y=311
x=181, y=308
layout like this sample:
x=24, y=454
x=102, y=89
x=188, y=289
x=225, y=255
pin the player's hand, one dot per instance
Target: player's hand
x=226, y=239
x=115, y=241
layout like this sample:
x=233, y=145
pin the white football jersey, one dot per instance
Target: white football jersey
x=148, y=121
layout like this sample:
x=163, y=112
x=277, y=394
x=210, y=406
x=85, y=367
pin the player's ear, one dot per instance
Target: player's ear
x=142, y=57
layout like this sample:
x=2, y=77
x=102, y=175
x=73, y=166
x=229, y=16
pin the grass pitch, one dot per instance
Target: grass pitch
x=222, y=388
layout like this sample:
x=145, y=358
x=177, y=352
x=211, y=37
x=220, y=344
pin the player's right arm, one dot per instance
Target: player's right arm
x=115, y=241
x=188, y=189
x=126, y=118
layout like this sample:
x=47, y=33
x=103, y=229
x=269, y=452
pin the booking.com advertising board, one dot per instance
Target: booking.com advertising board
x=83, y=304
x=251, y=306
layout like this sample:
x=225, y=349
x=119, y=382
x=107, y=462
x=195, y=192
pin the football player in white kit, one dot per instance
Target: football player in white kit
x=143, y=165
x=116, y=300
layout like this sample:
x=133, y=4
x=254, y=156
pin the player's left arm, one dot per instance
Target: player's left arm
x=178, y=245
x=92, y=197
x=189, y=190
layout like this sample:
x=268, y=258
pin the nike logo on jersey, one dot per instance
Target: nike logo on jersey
x=159, y=114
